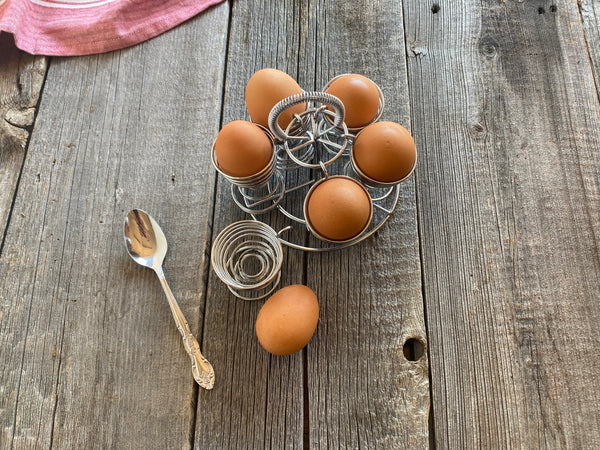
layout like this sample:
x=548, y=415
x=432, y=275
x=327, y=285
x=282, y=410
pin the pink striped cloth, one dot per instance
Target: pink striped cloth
x=83, y=27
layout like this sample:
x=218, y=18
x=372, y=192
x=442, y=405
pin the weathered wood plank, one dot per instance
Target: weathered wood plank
x=21, y=79
x=363, y=391
x=90, y=355
x=258, y=400
x=507, y=119
x=590, y=17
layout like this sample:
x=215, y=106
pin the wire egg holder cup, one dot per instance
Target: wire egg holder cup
x=247, y=255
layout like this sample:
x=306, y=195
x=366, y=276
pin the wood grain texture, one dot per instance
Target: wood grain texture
x=504, y=109
x=363, y=391
x=21, y=79
x=258, y=399
x=501, y=99
x=590, y=18
x=90, y=355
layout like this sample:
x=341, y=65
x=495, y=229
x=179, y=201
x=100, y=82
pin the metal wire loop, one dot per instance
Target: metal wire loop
x=303, y=97
x=316, y=143
x=247, y=257
x=259, y=200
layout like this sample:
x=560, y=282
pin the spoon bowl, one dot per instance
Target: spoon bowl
x=144, y=239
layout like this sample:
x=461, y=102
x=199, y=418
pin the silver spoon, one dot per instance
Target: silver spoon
x=147, y=245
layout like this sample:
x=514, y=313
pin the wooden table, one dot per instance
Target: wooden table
x=491, y=260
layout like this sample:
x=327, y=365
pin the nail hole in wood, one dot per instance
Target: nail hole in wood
x=541, y=10
x=413, y=349
x=553, y=8
x=435, y=8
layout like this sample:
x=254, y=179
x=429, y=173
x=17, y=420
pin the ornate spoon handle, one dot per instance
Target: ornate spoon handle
x=202, y=370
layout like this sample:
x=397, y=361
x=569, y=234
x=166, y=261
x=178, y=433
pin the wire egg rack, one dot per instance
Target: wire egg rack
x=315, y=145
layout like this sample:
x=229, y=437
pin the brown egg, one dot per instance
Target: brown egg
x=265, y=89
x=338, y=208
x=287, y=320
x=360, y=97
x=242, y=149
x=385, y=152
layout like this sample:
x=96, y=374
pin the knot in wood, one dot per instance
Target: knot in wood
x=417, y=51
x=477, y=129
x=487, y=47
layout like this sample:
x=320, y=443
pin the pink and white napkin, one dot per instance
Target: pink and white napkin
x=82, y=27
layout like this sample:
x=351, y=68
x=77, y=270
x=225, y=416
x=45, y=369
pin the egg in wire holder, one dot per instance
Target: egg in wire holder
x=260, y=192
x=315, y=142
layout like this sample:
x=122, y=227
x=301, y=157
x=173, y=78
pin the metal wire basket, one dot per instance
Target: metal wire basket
x=247, y=255
x=314, y=139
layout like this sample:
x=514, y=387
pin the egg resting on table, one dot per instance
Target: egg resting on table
x=265, y=89
x=360, y=97
x=385, y=152
x=339, y=208
x=242, y=149
x=288, y=320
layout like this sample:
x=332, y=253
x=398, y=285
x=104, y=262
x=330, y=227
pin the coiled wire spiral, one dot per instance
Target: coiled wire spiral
x=247, y=257
x=304, y=97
